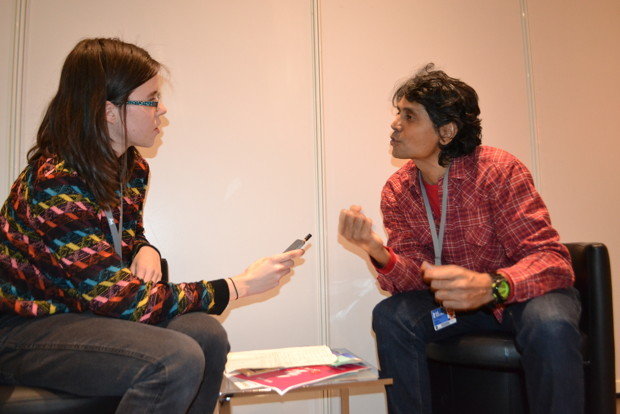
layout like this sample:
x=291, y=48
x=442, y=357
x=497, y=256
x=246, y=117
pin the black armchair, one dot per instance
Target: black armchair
x=465, y=371
x=31, y=400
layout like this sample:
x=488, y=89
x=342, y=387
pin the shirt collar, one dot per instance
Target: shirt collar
x=459, y=170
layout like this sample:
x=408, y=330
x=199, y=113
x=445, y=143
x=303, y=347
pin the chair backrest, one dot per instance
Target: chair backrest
x=593, y=280
x=164, y=270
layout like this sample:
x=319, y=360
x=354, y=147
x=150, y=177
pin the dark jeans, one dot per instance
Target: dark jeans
x=547, y=335
x=175, y=367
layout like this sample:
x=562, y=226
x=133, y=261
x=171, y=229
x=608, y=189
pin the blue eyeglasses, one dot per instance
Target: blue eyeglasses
x=143, y=103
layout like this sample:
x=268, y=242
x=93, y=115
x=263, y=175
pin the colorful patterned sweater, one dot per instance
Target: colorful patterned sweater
x=57, y=255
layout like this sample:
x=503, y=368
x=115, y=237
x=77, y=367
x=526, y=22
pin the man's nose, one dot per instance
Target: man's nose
x=395, y=125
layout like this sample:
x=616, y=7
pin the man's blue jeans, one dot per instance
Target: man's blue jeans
x=175, y=367
x=546, y=332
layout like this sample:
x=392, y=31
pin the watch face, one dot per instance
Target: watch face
x=503, y=288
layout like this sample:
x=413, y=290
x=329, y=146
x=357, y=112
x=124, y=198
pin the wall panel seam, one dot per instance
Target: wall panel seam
x=320, y=185
x=319, y=158
x=531, y=94
x=17, y=85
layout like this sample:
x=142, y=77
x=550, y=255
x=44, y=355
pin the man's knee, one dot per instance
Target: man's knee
x=381, y=314
x=385, y=314
x=552, y=333
x=402, y=312
x=551, y=322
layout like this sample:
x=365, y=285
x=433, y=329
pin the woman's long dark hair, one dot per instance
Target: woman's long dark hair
x=75, y=128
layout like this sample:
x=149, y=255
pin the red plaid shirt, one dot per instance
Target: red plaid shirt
x=496, y=222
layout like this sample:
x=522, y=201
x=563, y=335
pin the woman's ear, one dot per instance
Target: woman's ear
x=447, y=132
x=115, y=127
x=111, y=113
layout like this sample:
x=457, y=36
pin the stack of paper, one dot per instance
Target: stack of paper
x=284, y=369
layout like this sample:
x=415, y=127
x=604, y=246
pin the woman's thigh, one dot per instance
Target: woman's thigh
x=86, y=354
x=203, y=328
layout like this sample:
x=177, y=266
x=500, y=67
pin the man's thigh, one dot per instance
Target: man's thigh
x=80, y=353
x=411, y=312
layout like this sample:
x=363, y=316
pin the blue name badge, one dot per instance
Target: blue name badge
x=441, y=318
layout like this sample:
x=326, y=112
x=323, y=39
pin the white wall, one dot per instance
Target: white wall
x=242, y=167
x=576, y=65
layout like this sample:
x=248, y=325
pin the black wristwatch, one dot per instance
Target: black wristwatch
x=500, y=288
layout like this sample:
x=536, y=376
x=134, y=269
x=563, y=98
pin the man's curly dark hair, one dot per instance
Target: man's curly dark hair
x=446, y=100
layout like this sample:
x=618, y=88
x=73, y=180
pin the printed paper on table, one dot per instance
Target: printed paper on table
x=286, y=379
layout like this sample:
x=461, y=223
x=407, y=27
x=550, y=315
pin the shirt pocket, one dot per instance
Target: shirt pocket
x=485, y=251
x=479, y=235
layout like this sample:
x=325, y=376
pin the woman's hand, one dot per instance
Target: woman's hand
x=146, y=265
x=264, y=274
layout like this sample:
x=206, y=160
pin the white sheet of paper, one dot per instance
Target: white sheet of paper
x=280, y=358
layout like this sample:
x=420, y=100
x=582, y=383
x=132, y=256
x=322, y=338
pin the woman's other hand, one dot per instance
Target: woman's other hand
x=146, y=265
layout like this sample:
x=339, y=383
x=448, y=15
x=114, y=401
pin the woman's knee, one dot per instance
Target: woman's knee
x=175, y=369
x=184, y=360
x=215, y=335
x=204, y=329
x=208, y=334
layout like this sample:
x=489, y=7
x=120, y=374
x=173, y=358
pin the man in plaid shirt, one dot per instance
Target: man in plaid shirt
x=490, y=254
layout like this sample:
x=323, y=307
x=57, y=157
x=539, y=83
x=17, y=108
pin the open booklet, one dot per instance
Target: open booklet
x=280, y=358
x=285, y=369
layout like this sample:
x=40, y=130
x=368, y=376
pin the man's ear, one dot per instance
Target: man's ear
x=111, y=112
x=447, y=132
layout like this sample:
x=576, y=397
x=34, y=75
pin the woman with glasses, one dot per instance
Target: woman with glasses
x=83, y=309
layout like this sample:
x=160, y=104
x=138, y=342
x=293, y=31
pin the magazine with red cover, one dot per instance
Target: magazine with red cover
x=286, y=379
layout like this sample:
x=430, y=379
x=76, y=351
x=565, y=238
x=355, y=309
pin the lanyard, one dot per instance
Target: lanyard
x=437, y=239
x=117, y=232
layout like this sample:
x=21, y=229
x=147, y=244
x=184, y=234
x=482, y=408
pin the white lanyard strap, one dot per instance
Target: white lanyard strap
x=437, y=238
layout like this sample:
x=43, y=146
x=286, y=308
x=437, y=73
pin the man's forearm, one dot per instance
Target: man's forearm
x=379, y=254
